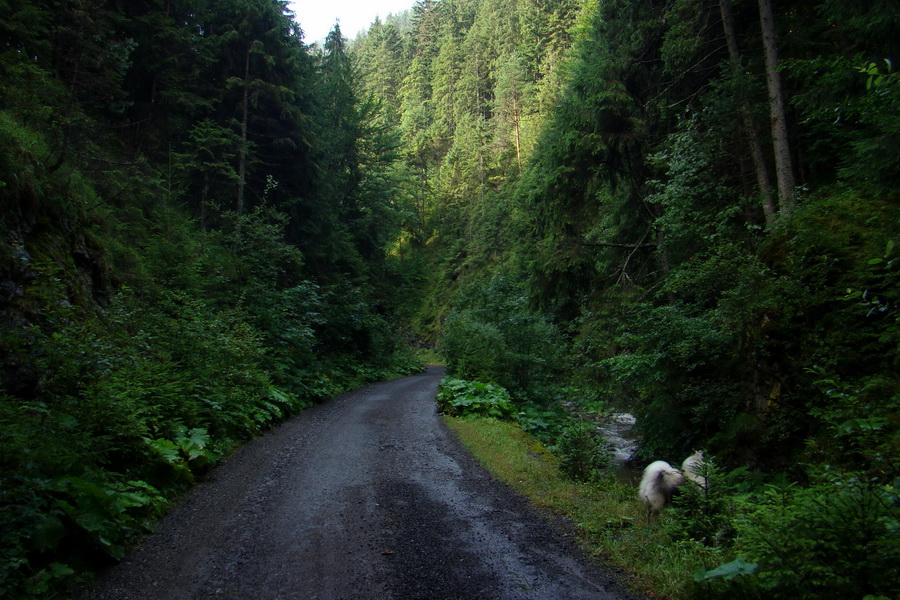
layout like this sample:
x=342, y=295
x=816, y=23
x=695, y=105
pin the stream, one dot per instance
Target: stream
x=617, y=431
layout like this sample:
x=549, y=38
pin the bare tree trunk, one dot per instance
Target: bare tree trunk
x=756, y=151
x=242, y=153
x=516, y=125
x=784, y=167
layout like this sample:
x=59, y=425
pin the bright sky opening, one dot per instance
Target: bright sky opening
x=317, y=17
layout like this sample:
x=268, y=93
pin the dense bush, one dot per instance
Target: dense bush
x=836, y=537
x=839, y=538
x=461, y=398
x=493, y=335
x=705, y=513
x=583, y=453
x=121, y=391
x=544, y=421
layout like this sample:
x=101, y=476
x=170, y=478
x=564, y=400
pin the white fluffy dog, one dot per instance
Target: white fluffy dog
x=691, y=468
x=659, y=481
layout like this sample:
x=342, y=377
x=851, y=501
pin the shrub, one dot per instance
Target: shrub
x=493, y=335
x=705, y=513
x=839, y=538
x=583, y=453
x=544, y=421
x=459, y=398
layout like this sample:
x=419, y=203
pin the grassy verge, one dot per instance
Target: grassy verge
x=606, y=514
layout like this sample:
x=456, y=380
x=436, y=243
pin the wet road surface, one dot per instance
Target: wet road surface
x=367, y=496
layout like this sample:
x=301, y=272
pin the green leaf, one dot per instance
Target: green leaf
x=95, y=522
x=852, y=425
x=61, y=570
x=726, y=571
x=198, y=437
x=47, y=533
x=166, y=449
x=131, y=499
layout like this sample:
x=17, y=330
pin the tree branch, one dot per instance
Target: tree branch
x=616, y=245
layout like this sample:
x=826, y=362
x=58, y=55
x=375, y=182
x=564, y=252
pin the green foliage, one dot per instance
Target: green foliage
x=856, y=106
x=187, y=446
x=857, y=429
x=726, y=571
x=705, y=513
x=655, y=278
x=583, y=453
x=493, y=335
x=470, y=83
x=835, y=539
x=44, y=518
x=177, y=273
x=458, y=398
x=673, y=364
x=697, y=208
x=881, y=298
x=542, y=420
x=184, y=263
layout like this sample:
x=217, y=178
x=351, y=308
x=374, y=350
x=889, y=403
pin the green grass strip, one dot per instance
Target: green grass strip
x=606, y=514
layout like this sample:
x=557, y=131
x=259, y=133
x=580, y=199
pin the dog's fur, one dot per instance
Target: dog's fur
x=657, y=485
x=691, y=468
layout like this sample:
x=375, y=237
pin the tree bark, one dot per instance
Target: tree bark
x=515, y=116
x=242, y=153
x=784, y=167
x=763, y=181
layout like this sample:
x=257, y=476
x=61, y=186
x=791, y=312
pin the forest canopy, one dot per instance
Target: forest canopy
x=698, y=198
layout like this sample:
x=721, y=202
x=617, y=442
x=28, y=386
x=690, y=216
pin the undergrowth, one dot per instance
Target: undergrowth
x=458, y=397
x=605, y=513
x=738, y=536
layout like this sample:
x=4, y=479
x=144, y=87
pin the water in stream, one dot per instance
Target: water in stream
x=617, y=431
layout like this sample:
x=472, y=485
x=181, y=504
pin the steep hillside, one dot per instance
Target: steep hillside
x=193, y=245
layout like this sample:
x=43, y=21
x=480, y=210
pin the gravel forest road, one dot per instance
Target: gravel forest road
x=367, y=496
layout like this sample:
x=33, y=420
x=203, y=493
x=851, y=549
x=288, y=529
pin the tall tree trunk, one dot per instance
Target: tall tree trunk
x=784, y=167
x=518, y=140
x=242, y=153
x=763, y=181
